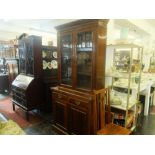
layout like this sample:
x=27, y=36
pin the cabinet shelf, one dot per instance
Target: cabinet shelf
x=120, y=119
x=124, y=75
x=85, y=49
x=124, y=107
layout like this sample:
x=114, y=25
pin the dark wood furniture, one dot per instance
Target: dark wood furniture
x=26, y=93
x=4, y=82
x=9, y=71
x=81, y=51
x=72, y=111
x=50, y=73
x=12, y=65
x=27, y=87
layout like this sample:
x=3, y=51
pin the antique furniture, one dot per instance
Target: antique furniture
x=8, y=71
x=50, y=73
x=12, y=69
x=81, y=66
x=4, y=83
x=4, y=77
x=26, y=93
x=27, y=87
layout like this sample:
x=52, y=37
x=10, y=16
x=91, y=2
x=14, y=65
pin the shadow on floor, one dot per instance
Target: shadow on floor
x=147, y=123
x=147, y=126
x=42, y=128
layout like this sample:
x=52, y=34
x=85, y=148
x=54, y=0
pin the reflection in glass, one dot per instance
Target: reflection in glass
x=30, y=60
x=22, y=60
x=84, y=60
x=66, y=51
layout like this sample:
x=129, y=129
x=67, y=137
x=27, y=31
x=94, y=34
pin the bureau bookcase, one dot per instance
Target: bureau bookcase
x=81, y=71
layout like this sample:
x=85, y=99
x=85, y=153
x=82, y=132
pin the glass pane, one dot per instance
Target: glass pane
x=22, y=57
x=66, y=55
x=84, y=60
x=49, y=60
x=122, y=60
x=29, y=62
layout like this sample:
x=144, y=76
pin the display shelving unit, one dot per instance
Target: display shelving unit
x=50, y=73
x=126, y=77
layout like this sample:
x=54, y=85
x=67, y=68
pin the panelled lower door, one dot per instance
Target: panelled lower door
x=78, y=122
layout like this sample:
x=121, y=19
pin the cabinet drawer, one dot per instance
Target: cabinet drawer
x=78, y=103
x=19, y=100
x=60, y=97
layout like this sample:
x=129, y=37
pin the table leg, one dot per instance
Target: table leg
x=13, y=105
x=147, y=101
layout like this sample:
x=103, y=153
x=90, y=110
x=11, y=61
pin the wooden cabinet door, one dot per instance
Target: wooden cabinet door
x=60, y=115
x=22, y=56
x=77, y=121
x=84, y=59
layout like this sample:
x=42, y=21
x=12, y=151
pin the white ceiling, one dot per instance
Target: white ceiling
x=9, y=29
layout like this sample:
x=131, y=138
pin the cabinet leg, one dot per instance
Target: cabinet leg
x=13, y=105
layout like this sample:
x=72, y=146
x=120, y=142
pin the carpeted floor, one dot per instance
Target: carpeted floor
x=19, y=115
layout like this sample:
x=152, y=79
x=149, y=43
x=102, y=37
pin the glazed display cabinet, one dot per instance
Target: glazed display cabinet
x=50, y=73
x=27, y=87
x=81, y=71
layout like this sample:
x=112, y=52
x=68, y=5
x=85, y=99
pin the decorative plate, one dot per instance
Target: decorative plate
x=49, y=65
x=55, y=54
x=45, y=64
x=54, y=64
x=44, y=54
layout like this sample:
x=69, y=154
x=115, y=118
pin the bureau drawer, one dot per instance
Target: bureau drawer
x=78, y=103
x=60, y=97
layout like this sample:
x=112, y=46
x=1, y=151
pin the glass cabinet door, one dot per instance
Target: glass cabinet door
x=22, y=56
x=84, y=60
x=66, y=59
x=30, y=59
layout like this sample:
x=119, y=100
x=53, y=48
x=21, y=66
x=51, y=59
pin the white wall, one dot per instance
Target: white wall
x=139, y=31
